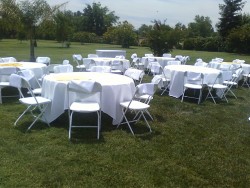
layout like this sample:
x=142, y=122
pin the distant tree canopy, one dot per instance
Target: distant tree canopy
x=35, y=19
x=230, y=13
x=98, y=19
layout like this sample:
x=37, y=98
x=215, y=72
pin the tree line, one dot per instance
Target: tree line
x=35, y=19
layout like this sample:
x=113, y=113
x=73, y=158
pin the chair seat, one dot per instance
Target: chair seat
x=135, y=105
x=193, y=86
x=37, y=91
x=230, y=83
x=3, y=84
x=80, y=66
x=145, y=97
x=32, y=101
x=84, y=107
x=218, y=86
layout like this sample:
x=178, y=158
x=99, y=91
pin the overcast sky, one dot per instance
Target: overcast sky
x=138, y=12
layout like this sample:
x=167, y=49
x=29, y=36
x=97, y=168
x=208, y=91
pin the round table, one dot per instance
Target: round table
x=115, y=89
x=176, y=74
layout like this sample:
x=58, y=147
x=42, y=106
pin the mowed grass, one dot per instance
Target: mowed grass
x=191, y=145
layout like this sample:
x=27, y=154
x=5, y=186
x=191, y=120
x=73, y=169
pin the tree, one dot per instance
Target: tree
x=29, y=14
x=64, y=26
x=161, y=38
x=98, y=18
x=230, y=13
x=123, y=34
x=201, y=27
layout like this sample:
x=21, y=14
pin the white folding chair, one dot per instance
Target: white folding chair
x=33, y=81
x=233, y=81
x=104, y=69
x=84, y=97
x=88, y=63
x=136, y=74
x=136, y=106
x=146, y=95
x=220, y=89
x=44, y=60
x=34, y=103
x=117, y=67
x=63, y=68
x=193, y=81
x=92, y=55
x=166, y=55
x=176, y=62
x=5, y=73
x=77, y=58
x=9, y=59
x=65, y=62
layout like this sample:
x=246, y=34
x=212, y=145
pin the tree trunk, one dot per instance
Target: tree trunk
x=32, y=51
x=32, y=45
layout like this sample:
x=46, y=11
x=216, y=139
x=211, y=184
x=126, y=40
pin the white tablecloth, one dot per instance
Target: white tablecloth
x=163, y=61
x=115, y=89
x=110, y=53
x=102, y=61
x=39, y=69
x=176, y=73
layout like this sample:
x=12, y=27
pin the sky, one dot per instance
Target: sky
x=138, y=12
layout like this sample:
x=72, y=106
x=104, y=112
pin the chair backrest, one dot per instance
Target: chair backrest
x=174, y=62
x=146, y=89
x=92, y=55
x=103, y=69
x=63, y=68
x=120, y=57
x=6, y=71
x=149, y=55
x=19, y=82
x=201, y=64
x=45, y=60
x=134, y=55
x=88, y=63
x=85, y=91
x=9, y=59
x=117, y=65
x=166, y=55
x=65, y=62
x=193, y=78
x=77, y=58
x=29, y=76
x=136, y=74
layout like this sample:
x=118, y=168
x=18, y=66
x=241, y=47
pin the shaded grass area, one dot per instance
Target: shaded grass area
x=191, y=145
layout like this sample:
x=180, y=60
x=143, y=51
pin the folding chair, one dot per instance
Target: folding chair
x=33, y=103
x=77, y=58
x=194, y=81
x=5, y=72
x=63, y=68
x=136, y=106
x=33, y=81
x=84, y=97
x=221, y=89
x=136, y=74
x=233, y=81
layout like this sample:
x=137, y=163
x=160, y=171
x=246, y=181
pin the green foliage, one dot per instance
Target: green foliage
x=98, y=18
x=191, y=145
x=123, y=34
x=64, y=26
x=85, y=37
x=201, y=27
x=203, y=44
x=238, y=40
x=161, y=38
x=230, y=16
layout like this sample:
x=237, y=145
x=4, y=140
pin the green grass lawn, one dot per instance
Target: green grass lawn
x=191, y=145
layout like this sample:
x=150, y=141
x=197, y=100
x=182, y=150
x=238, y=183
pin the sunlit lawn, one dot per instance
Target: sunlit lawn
x=191, y=145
